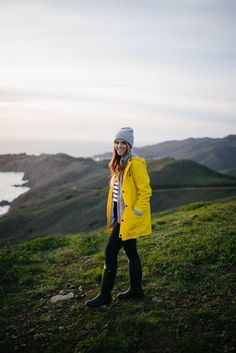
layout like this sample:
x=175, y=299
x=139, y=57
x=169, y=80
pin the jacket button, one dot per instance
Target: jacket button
x=126, y=205
x=122, y=220
x=123, y=190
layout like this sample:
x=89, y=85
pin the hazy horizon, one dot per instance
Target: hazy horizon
x=72, y=148
x=74, y=71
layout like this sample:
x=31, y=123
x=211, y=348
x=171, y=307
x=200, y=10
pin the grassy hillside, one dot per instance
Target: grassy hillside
x=181, y=173
x=180, y=182
x=61, y=214
x=53, y=171
x=69, y=194
x=189, y=281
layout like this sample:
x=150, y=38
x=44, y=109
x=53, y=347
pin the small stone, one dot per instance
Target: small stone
x=157, y=299
x=60, y=297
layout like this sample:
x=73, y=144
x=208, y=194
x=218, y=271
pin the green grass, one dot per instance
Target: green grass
x=188, y=277
x=183, y=173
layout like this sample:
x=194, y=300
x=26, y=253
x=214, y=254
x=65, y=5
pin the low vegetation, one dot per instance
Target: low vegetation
x=189, y=281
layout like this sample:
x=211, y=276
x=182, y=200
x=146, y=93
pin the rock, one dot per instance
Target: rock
x=4, y=203
x=157, y=299
x=59, y=297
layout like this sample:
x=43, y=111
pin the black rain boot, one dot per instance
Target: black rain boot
x=135, y=290
x=104, y=297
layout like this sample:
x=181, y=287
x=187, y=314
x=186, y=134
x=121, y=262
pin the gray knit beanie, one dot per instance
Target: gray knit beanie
x=126, y=134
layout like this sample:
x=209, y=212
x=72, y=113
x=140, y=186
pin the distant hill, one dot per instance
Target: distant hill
x=66, y=195
x=52, y=169
x=69, y=194
x=180, y=182
x=181, y=173
x=216, y=153
x=189, y=267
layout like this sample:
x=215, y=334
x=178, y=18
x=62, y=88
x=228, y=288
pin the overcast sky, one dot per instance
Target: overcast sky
x=72, y=72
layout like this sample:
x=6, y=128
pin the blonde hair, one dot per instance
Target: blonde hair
x=116, y=165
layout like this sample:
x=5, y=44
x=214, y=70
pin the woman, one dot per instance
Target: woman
x=128, y=217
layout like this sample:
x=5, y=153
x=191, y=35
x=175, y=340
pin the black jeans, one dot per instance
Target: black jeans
x=115, y=244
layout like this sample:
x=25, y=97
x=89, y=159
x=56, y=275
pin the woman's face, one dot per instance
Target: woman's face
x=120, y=147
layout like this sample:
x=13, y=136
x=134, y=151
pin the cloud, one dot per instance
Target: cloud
x=158, y=65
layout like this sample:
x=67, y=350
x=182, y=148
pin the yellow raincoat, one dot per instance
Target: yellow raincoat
x=136, y=193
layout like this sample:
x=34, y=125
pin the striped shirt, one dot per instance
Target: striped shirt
x=115, y=192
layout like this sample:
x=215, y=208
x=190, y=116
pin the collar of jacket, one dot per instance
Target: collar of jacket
x=127, y=157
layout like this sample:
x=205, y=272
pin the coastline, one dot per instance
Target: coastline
x=12, y=186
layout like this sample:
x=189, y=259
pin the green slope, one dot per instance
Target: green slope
x=69, y=194
x=61, y=214
x=189, y=281
x=181, y=173
x=180, y=182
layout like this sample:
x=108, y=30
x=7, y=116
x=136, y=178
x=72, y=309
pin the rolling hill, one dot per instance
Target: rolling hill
x=69, y=194
x=216, y=153
x=66, y=195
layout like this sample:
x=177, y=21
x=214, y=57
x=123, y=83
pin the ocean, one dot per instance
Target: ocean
x=11, y=187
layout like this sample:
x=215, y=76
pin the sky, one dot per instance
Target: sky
x=73, y=72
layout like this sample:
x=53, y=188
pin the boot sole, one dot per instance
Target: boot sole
x=98, y=305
